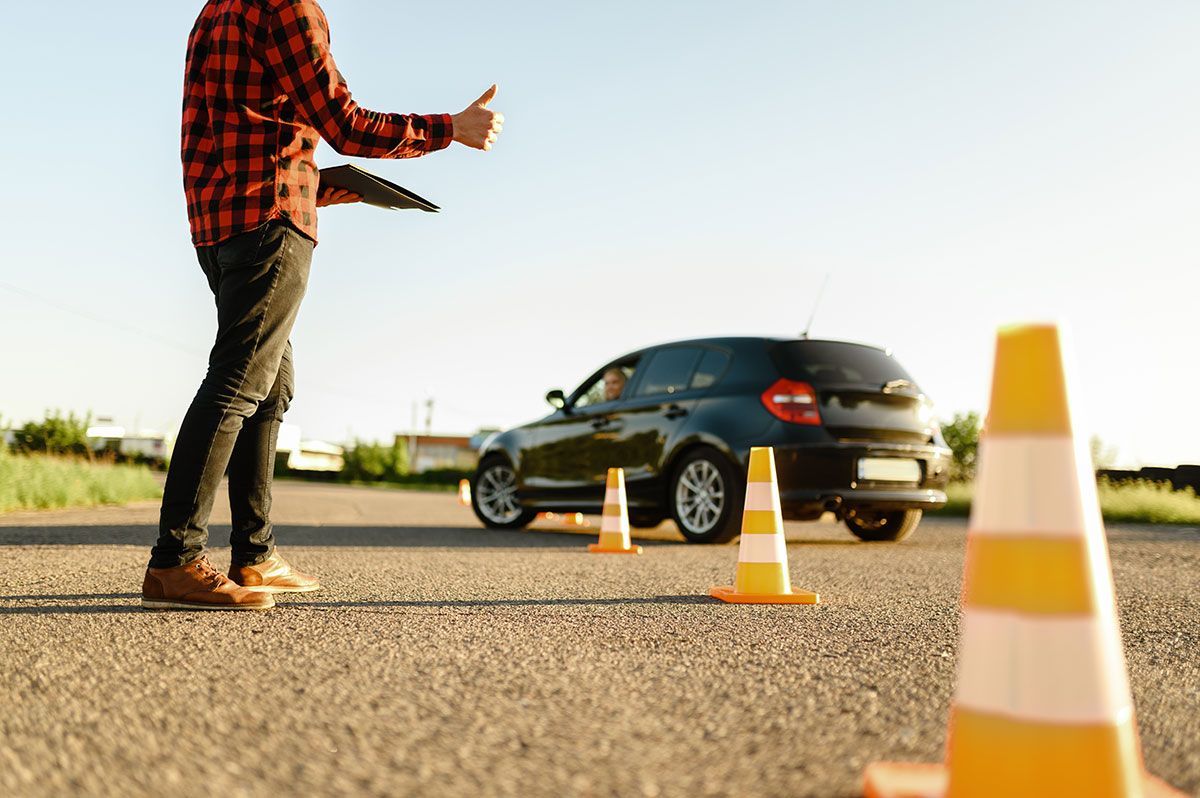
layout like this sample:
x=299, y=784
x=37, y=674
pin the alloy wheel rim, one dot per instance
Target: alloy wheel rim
x=497, y=494
x=700, y=496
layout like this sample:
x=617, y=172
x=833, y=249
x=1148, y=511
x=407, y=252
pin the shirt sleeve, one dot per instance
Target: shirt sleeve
x=297, y=53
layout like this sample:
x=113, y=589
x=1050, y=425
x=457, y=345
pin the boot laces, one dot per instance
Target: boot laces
x=209, y=575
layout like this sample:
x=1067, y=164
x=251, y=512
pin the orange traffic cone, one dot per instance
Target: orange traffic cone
x=614, y=523
x=464, y=492
x=762, y=569
x=1042, y=707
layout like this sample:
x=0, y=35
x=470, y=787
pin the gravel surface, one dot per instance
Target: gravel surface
x=443, y=659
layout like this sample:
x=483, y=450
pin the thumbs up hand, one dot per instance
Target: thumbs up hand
x=478, y=126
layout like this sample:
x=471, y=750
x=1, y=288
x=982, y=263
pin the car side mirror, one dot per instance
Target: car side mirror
x=557, y=399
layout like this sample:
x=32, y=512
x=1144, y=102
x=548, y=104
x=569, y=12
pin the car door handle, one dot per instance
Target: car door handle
x=601, y=422
x=675, y=411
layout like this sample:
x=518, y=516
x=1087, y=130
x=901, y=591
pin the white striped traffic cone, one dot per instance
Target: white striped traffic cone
x=1042, y=707
x=762, y=569
x=614, y=521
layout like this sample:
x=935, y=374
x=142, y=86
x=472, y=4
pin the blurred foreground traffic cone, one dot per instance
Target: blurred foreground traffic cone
x=614, y=522
x=1042, y=707
x=464, y=492
x=762, y=569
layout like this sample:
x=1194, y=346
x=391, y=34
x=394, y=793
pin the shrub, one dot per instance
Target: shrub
x=376, y=462
x=962, y=436
x=1137, y=501
x=1148, y=502
x=56, y=434
x=958, y=498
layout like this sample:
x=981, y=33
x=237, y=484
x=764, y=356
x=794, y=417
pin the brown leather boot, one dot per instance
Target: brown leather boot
x=198, y=586
x=273, y=575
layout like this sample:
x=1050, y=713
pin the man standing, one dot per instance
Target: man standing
x=260, y=88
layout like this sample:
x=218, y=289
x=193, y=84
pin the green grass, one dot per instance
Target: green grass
x=1140, y=502
x=1148, y=503
x=37, y=482
x=958, y=499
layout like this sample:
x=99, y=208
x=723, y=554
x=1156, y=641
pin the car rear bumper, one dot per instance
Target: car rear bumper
x=808, y=504
x=816, y=479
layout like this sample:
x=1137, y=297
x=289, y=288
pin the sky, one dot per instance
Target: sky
x=667, y=170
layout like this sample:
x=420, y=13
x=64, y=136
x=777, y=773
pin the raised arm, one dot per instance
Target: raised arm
x=298, y=54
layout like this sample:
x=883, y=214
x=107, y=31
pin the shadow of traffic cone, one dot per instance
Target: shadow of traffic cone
x=762, y=569
x=1042, y=707
x=464, y=492
x=614, y=521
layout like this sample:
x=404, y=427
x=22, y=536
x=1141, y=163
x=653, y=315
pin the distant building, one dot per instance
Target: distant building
x=153, y=447
x=145, y=445
x=436, y=452
x=295, y=454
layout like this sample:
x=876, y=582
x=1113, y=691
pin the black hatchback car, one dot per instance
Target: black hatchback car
x=852, y=434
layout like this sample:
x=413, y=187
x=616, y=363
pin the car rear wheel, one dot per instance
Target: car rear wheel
x=875, y=525
x=645, y=519
x=494, y=496
x=706, y=497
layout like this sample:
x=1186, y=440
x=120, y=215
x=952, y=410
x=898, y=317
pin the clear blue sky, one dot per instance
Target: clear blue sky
x=667, y=170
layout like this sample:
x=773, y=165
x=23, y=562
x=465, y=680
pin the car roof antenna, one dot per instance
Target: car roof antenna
x=816, y=306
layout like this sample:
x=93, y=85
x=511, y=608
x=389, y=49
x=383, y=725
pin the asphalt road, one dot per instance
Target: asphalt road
x=443, y=659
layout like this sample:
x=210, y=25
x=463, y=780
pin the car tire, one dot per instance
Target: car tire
x=697, y=524
x=645, y=519
x=491, y=500
x=877, y=526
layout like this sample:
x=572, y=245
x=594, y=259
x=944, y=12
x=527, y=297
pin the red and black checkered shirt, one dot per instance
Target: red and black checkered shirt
x=259, y=88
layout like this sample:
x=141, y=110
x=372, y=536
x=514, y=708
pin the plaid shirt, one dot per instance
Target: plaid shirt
x=260, y=87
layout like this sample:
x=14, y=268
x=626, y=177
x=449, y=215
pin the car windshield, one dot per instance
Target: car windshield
x=833, y=362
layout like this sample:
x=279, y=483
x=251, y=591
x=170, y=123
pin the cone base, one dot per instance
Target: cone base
x=596, y=548
x=727, y=593
x=904, y=780
x=912, y=780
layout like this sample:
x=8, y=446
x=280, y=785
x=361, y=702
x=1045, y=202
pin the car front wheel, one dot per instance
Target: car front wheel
x=706, y=497
x=875, y=525
x=494, y=496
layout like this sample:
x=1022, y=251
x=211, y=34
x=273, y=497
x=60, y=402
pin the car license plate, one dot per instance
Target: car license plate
x=889, y=469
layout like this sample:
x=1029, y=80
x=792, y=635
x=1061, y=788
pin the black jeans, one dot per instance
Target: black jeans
x=258, y=279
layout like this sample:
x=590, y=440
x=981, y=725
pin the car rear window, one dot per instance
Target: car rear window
x=832, y=362
x=669, y=371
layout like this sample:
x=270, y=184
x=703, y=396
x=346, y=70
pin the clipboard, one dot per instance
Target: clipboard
x=374, y=189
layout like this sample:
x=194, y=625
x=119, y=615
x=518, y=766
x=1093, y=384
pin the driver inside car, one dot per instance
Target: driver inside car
x=614, y=384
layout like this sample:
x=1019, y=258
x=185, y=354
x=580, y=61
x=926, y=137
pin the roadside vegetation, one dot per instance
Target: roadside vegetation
x=1129, y=501
x=386, y=465
x=50, y=465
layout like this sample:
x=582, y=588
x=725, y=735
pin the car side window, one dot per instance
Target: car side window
x=712, y=366
x=609, y=386
x=669, y=371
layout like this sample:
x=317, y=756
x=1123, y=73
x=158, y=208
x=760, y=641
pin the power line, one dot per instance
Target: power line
x=172, y=344
x=120, y=325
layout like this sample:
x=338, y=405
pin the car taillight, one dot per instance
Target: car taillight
x=794, y=402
